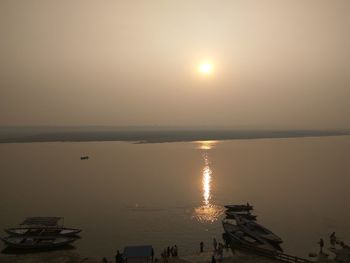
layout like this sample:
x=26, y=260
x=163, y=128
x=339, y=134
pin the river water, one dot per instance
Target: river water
x=173, y=193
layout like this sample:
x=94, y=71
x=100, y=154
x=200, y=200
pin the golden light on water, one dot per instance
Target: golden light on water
x=206, y=145
x=206, y=180
x=207, y=212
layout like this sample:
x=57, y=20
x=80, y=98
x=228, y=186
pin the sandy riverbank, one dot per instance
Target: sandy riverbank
x=73, y=257
x=48, y=257
x=228, y=258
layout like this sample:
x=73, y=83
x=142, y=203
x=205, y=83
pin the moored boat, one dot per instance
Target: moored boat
x=232, y=215
x=256, y=229
x=239, y=208
x=239, y=236
x=43, y=231
x=241, y=226
x=37, y=242
x=43, y=226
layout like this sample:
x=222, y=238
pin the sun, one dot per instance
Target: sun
x=206, y=68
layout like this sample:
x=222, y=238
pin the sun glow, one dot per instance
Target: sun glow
x=206, y=68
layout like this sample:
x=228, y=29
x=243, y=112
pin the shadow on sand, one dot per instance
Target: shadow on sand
x=14, y=251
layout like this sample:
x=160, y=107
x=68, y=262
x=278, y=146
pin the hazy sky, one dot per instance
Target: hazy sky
x=276, y=63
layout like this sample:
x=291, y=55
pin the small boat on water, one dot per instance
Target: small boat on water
x=37, y=242
x=239, y=208
x=85, y=157
x=43, y=226
x=239, y=236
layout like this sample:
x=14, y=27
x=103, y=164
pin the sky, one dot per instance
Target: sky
x=276, y=64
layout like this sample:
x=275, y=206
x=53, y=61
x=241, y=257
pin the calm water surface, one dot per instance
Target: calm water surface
x=172, y=193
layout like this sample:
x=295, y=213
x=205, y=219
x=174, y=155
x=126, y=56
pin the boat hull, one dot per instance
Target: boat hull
x=239, y=208
x=256, y=229
x=30, y=242
x=232, y=215
x=238, y=236
x=38, y=231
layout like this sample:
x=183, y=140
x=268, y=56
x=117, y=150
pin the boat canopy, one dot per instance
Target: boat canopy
x=42, y=221
x=138, y=251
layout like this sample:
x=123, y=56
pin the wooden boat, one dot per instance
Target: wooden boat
x=256, y=229
x=40, y=231
x=43, y=226
x=43, y=221
x=240, y=237
x=84, y=157
x=232, y=214
x=239, y=208
x=37, y=242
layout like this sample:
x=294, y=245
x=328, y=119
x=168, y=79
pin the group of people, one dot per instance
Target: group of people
x=169, y=252
x=333, y=240
x=218, y=250
x=119, y=257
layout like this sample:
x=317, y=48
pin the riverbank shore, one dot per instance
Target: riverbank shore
x=48, y=257
x=73, y=257
x=205, y=257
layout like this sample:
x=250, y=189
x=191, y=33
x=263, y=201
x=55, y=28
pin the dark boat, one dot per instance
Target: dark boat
x=239, y=236
x=256, y=229
x=37, y=242
x=231, y=215
x=43, y=226
x=84, y=157
x=239, y=208
x=40, y=231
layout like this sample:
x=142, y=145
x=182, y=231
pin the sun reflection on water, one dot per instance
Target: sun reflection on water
x=206, y=145
x=207, y=212
x=206, y=180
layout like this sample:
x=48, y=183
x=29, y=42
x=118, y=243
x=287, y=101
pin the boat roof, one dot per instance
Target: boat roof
x=43, y=221
x=239, y=207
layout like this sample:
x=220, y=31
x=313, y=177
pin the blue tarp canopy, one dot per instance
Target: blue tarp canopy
x=138, y=251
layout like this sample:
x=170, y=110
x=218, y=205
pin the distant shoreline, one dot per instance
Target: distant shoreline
x=152, y=136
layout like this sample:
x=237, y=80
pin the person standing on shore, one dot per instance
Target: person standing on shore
x=201, y=246
x=168, y=252
x=164, y=256
x=221, y=251
x=215, y=244
x=118, y=257
x=321, y=243
x=333, y=239
x=175, y=250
